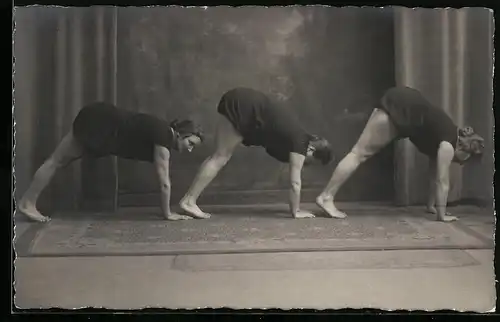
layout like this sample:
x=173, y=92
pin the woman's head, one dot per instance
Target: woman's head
x=319, y=151
x=469, y=145
x=188, y=134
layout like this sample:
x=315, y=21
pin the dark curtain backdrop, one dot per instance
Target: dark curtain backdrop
x=329, y=65
x=448, y=55
x=65, y=58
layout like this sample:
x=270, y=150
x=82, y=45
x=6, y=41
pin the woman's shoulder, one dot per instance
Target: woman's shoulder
x=406, y=91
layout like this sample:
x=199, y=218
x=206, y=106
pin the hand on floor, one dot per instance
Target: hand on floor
x=174, y=216
x=447, y=217
x=303, y=214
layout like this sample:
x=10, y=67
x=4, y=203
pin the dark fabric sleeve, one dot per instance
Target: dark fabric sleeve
x=445, y=128
x=161, y=134
x=281, y=155
x=281, y=152
x=288, y=129
x=299, y=144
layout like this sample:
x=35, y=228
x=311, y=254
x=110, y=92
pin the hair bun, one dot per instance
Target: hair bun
x=174, y=123
x=315, y=137
x=466, y=131
x=477, y=146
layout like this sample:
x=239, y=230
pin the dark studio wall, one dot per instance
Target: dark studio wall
x=478, y=176
x=448, y=55
x=34, y=97
x=24, y=83
x=63, y=61
x=329, y=65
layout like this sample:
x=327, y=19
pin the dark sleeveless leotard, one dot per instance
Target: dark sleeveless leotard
x=417, y=119
x=263, y=122
x=103, y=129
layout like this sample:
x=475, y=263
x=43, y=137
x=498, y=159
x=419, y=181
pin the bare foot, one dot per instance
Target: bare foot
x=193, y=210
x=173, y=216
x=433, y=211
x=303, y=214
x=29, y=210
x=327, y=205
x=447, y=218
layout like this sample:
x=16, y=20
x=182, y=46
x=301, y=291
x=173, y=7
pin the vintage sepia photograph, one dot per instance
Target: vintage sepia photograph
x=251, y=157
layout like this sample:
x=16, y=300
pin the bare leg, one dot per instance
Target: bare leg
x=378, y=132
x=226, y=141
x=68, y=151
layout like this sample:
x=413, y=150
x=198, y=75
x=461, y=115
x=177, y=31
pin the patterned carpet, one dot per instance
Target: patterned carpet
x=247, y=230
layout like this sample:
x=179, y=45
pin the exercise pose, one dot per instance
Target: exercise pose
x=405, y=113
x=102, y=129
x=249, y=117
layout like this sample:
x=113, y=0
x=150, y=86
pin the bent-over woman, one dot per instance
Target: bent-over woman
x=404, y=112
x=102, y=129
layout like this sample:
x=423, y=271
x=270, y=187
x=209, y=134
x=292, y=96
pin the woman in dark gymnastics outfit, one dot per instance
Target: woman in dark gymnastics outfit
x=405, y=113
x=250, y=118
x=101, y=129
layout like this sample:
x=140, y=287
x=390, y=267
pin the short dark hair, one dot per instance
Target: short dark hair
x=186, y=128
x=322, y=149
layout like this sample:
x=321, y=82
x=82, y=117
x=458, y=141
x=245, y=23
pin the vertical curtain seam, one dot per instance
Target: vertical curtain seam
x=114, y=91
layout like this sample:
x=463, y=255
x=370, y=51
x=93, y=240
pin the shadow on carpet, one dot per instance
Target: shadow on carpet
x=244, y=230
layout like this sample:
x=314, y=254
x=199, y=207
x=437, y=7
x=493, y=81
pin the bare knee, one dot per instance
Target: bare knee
x=216, y=161
x=221, y=158
x=61, y=160
x=51, y=165
x=56, y=163
x=361, y=155
x=68, y=151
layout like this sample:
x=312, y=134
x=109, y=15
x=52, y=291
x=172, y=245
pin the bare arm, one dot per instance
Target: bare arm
x=162, y=161
x=444, y=159
x=296, y=164
x=431, y=201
